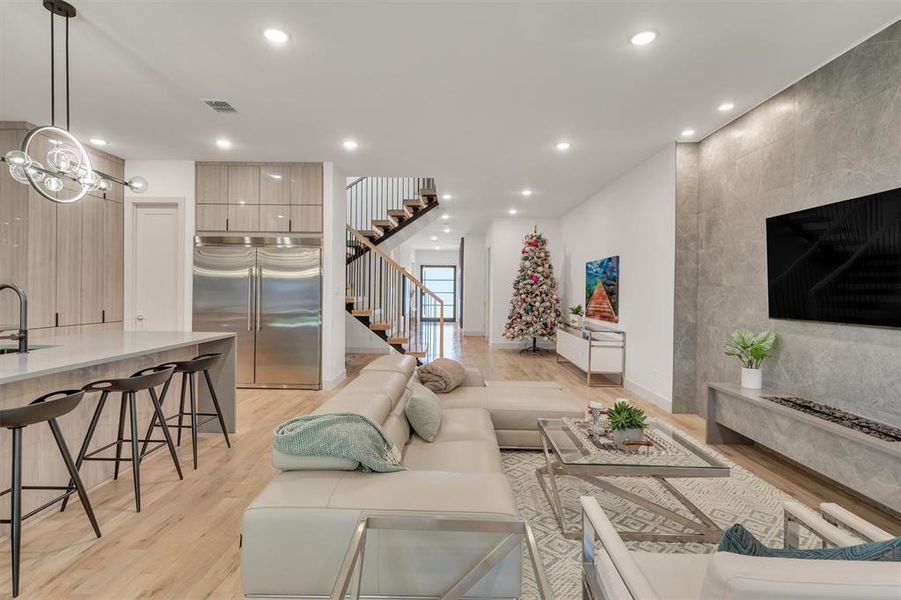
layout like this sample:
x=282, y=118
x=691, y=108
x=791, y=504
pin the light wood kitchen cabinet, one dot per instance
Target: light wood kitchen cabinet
x=306, y=219
x=13, y=231
x=211, y=184
x=93, y=259
x=306, y=183
x=114, y=253
x=275, y=184
x=117, y=192
x=243, y=185
x=244, y=217
x=41, y=261
x=275, y=218
x=68, y=263
x=211, y=217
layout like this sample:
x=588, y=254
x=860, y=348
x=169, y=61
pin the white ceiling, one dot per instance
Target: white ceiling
x=475, y=94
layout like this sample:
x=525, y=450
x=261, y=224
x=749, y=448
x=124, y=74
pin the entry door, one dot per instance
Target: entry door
x=156, y=301
x=442, y=280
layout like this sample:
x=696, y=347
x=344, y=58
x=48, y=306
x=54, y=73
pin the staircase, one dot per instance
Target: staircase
x=381, y=294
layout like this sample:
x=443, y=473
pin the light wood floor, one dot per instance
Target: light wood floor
x=184, y=544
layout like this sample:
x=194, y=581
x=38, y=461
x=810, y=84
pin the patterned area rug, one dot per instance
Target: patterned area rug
x=741, y=498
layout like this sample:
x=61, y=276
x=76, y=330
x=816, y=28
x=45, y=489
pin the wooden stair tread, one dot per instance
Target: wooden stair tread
x=388, y=223
x=414, y=203
x=380, y=326
x=404, y=213
x=428, y=193
x=361, y=312
x=415, y=354
x=349, y=299
x=397, y=340
x=371, y=233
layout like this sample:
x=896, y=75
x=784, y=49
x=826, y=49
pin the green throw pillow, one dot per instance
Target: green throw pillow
x=423, y=411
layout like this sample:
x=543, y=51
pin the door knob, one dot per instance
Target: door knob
x=140, y=317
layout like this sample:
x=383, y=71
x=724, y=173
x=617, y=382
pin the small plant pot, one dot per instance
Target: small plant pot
x=751, y=378
x=575, y=320
x=627, y=435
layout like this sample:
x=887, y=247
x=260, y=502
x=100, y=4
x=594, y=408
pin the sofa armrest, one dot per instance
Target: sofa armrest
x=622, y=578
x=836, y=514
x=798, y=514
x=474, y=378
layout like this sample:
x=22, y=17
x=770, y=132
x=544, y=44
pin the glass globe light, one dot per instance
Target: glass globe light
x=90, y=180
x=36, y=171
x=53, y=184
x=138, y=185
x=63, y=160
x=17, y=158
x=18, y=173
x=105, y=185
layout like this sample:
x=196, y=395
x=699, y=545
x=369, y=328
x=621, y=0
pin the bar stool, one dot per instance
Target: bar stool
x=47, y=409
x=144, y=380
x=188, y=370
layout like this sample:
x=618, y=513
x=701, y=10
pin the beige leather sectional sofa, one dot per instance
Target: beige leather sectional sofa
x=296, y=532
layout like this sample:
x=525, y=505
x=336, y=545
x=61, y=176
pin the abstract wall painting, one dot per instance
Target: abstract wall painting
x=602, y=289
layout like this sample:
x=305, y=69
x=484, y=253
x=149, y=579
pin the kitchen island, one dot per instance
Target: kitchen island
x=59, y=362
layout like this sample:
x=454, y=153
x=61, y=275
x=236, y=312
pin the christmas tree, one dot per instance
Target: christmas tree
x=534, y=307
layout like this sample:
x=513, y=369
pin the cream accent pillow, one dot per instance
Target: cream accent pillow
x=423, y=411
x=442, y=375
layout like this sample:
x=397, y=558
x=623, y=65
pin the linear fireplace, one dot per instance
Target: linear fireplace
x=876, y=429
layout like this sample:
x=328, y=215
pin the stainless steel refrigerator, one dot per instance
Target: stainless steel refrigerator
x=267, y=290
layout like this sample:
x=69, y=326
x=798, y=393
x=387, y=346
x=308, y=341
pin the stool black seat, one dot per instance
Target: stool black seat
x=47, y=409
x=144, y=380
x=188, y=370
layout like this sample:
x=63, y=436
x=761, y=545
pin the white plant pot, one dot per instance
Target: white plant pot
x=575, y=320
x=627, y=435
x=751, y=378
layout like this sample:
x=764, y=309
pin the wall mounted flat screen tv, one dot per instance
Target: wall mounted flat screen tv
x=839, y=263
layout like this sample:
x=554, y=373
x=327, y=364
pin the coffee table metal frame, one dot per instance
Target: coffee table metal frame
x=701, y=530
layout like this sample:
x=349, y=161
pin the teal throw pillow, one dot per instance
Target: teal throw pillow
x=739, y=540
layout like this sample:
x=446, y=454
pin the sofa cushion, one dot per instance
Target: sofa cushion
x=461, y=457
x=359, y=402
x=379, y=382
x=423, y=411
x=463, y=425
x=738, y=577
x=673, y=575
x=442, y=375
x=291, y=462
x=395, y=363
x=516, y=406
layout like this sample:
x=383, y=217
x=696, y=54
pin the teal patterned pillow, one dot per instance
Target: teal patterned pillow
x=739, y=540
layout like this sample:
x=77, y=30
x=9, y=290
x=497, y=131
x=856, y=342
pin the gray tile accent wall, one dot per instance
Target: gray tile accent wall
x=833, y=136
x=685, y=310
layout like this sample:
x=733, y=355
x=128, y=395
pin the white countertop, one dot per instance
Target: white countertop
x=68, y=352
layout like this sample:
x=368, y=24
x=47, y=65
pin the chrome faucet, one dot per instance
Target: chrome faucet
x=22, y=335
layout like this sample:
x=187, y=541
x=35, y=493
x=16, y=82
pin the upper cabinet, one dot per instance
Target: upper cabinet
x=211, y=182
x=265, y=197
x=243, y=185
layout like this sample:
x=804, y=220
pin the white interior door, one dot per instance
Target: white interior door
x=156, y=270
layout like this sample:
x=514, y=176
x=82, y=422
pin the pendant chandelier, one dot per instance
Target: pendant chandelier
x=67, y=175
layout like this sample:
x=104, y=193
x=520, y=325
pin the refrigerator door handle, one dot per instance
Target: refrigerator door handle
x=259, y=305
x=250, y=304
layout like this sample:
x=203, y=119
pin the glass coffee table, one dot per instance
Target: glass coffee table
x=571, y=450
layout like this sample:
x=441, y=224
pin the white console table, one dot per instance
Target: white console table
x=599, y=351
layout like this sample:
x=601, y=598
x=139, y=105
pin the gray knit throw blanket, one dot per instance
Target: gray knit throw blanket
x=343, y=435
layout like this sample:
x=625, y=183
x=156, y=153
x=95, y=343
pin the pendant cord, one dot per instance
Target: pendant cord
x=68, y=126
x=52, y=74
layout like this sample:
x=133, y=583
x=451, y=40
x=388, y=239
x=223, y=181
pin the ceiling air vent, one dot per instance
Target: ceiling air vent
x=221, y=106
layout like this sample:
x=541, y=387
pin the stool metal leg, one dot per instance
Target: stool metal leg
x=135, y=453
x=162, y=398
x=87, y=442
x=15, y=524
x=158, y=414
x=193, y=420
x=209, y=383
x=121, y=436
x=73, y=474
x=181, y=405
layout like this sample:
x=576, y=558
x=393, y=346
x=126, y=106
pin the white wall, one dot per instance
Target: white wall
x=504, y=242
x=633, y=217
x=169, y=179
x=334, y=208
x=474, y=297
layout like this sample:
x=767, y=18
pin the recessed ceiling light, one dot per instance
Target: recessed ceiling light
x=434, y=238
x=281, y=216
x=446, y=197
x=445, y=216
x=437, y=247
x=563, y=146
x=726, y=107
x=447, y=230
x=350, y=144
x=688, y=132
x=98, y=141
x=276, y=36
x=275, y=176
x=512, y=211
x=224, y=143
x=527, y=192
x=643, y=38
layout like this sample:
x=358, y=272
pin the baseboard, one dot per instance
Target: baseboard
x=648, y=395
x=334, y=382
x=473, y=333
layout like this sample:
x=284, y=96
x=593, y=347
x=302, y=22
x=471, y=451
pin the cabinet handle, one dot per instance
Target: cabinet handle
x=103, y=316
x=56, y=319
x=251, y=283
x=226, y=223
x=259, y=298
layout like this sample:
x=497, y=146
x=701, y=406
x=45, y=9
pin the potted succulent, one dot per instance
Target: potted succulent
x=750, y=348
x=627, y=422
x=575, y=315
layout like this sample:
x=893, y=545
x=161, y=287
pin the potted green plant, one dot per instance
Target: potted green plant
x=627, y=422
x=575, y=315
x=750, y=348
